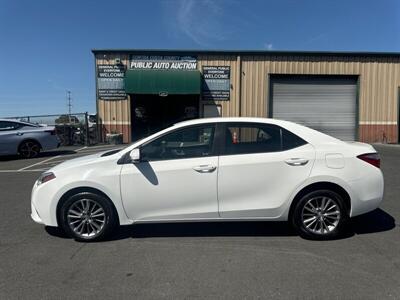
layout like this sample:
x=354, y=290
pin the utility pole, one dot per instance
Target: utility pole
x=69, y=105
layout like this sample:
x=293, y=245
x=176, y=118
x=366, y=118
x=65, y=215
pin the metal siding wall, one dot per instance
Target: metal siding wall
x=378, y=78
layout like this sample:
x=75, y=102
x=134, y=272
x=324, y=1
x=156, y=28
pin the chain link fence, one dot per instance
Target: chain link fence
x=71, y=129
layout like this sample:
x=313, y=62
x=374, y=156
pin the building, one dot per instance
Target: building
x=353, y=96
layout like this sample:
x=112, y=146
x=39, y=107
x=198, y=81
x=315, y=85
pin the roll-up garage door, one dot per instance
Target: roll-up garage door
x=324, y=104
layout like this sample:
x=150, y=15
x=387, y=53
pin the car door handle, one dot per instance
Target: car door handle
x=296, y=161
x=19, y=133
x=204, y=168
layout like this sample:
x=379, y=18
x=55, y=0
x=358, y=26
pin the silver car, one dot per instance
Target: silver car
x=26, y=139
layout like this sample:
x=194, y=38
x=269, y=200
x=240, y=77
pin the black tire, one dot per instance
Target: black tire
x=321, y=224
x=29, y=149
x=88, y=232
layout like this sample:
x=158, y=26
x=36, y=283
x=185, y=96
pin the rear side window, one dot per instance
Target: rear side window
x=252, y=138
x=247, y=138
x=290, y=140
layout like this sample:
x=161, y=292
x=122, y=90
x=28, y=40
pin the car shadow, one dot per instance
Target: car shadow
x=373, y=222
x=193, y=229
x=56, y=231
x=40, y=155
x=204, y=229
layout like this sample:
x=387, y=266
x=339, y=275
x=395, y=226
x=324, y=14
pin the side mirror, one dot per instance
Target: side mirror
x=135, y=155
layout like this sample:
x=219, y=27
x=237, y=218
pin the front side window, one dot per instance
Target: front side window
x=5, y=125
x=195, y=141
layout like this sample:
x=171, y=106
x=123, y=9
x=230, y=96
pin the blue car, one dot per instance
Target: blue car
x=26, y=139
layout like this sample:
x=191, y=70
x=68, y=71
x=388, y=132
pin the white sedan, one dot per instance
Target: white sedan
x=217, y=169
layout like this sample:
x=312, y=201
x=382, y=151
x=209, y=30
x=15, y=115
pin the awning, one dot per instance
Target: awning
x=162, y=81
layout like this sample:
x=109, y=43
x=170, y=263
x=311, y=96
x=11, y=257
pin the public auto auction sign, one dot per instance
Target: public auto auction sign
x=163, y=62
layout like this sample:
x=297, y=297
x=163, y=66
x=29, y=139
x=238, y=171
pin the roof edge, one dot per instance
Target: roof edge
x=250, y=52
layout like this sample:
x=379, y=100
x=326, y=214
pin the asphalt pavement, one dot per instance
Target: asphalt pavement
x=196, y=260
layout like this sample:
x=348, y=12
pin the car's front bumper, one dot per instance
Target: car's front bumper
x=43, y=208
x=35, y=215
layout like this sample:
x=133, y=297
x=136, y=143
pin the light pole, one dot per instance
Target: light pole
x=69, y=105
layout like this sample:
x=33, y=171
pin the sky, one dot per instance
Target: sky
x=45, y=45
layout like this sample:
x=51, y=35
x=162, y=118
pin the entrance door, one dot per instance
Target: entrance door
x=151, y=113
x=176, y=178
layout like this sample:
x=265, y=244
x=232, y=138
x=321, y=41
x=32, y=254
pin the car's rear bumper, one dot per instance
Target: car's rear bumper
x=368, y=193
x=50, y=143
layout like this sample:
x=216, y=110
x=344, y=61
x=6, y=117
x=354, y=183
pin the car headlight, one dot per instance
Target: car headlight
x=44, y=177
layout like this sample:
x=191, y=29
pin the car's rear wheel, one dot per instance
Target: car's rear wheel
x=29, y=149
x=320, y=215
x=88, y=216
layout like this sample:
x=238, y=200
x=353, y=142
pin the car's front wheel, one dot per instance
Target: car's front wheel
x=88, y=216
x=320, y=215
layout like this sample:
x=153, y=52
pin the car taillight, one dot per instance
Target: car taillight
x=52, y=132
x=371, y=158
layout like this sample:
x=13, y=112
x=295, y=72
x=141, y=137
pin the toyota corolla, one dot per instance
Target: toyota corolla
x=222, y=169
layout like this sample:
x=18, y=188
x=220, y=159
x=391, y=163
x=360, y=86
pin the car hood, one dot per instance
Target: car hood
x=84, y=160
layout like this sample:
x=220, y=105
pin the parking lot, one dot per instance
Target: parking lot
x=199, y=260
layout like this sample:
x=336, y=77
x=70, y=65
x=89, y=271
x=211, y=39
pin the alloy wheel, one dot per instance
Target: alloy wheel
x=86, y=218
x=321, y=215
x=29, y=149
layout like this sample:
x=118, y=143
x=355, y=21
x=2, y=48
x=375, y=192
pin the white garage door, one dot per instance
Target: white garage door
x=327, y=105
